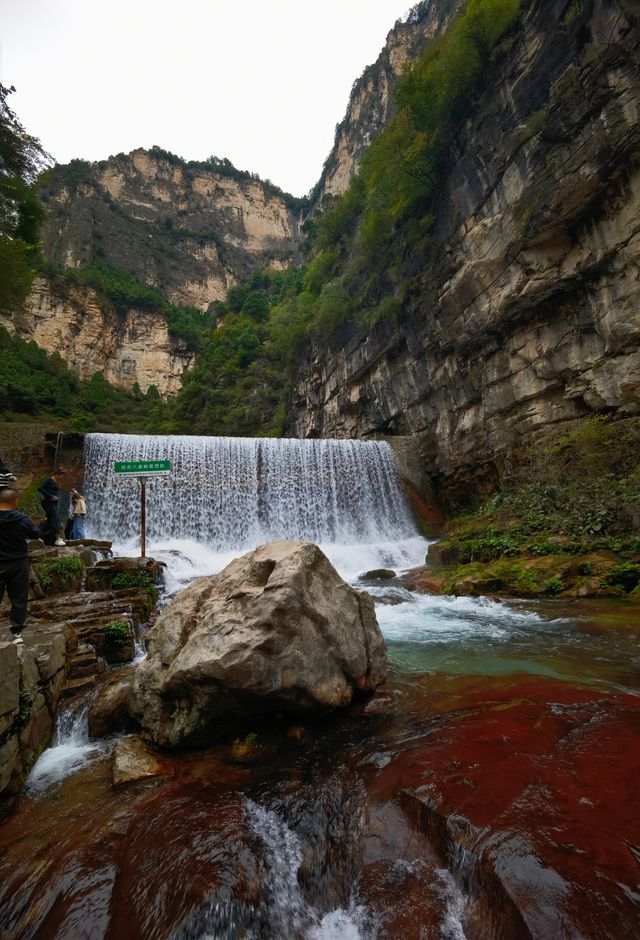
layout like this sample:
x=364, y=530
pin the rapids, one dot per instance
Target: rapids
x=491, y=795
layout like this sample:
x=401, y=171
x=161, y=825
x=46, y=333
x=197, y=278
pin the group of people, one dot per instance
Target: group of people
x=16, y=528
x=49, y=491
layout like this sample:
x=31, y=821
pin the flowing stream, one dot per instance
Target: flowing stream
x=506, y=747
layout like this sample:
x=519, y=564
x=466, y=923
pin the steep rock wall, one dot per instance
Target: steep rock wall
x=527, y=315
x=370, y=106
x=187, y=230
x=135, y=346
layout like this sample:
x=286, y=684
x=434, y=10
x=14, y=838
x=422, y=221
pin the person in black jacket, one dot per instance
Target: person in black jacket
x=49, y=491
x=15, y=529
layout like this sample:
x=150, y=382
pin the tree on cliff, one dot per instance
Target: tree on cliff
x=21, y=159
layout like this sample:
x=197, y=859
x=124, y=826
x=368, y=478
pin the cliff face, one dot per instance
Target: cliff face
x=127, y=348
x=185, y=229
x=527, y=314
x=370, y=106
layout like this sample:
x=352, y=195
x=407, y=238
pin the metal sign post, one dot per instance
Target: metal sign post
x=143, y=518
x=143, y=470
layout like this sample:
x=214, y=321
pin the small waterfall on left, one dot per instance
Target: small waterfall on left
x=71, y=748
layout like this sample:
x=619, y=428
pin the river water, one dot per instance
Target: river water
x=490, y=794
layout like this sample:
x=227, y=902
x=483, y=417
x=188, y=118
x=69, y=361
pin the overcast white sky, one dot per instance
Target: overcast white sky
x=262, y=83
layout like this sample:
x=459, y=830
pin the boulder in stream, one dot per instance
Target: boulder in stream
x=132, y=761
x=278, y=630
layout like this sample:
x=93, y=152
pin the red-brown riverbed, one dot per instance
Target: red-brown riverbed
x=495, y=796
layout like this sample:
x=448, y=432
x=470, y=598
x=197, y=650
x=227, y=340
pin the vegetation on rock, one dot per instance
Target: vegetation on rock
x=117, y=632
x=363, y=247
x=566, y=518
x=36, y=384
x=58, y=575
x=127, y=580
x=123, y=291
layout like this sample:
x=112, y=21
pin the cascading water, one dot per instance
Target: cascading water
x=71, y=748
x=231, y=494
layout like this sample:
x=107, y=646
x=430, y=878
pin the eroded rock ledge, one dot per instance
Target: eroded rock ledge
x=69, y=637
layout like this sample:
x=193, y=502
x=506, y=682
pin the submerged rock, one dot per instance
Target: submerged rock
x=251, y=752
x=132, y=761
x=277, y=630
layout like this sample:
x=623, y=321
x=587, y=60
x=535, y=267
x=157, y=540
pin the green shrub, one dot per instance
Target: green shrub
x=117, y=632
x=140, y=580
x=59, y=574
x=626, y=575
x=134, y=579
x=553, y=586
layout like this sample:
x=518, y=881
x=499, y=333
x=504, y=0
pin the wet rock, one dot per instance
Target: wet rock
x=9, y=680
x=109, y=712
x=382, y=703
x=408, y=898
x=85, y=662
x=87, y=614
x=31, y=678
x=100, y=577
x=378, y=574
x=132, y=761
x=297, y=734
x=251, y=752
x=74, y=687
x=277, y=630
x=424, y=581
x=517, y=792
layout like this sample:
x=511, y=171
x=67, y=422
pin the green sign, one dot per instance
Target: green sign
x=138, y=468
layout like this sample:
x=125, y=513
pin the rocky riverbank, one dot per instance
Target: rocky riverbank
x=85, y=610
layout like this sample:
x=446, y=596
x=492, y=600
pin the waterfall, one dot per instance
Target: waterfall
x=71, y=748
x=232, y=494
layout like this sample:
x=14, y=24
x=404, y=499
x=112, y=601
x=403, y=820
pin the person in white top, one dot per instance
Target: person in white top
x=79, y=514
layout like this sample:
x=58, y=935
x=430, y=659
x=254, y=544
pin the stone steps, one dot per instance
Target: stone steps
x=77, y=686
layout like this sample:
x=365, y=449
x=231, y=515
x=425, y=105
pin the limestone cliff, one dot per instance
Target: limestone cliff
x=190, y=230
x=526, y=314
x=91, y=336
x=370, y=106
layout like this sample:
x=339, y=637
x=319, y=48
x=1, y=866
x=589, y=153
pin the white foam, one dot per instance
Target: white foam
x=429, y=618
x=61, y=761
x=187, y=559
x=71, y=749
x=341, y=925
x=289, y=913
x=451, y=928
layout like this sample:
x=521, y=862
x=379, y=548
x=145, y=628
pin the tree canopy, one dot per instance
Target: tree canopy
x=21, y=159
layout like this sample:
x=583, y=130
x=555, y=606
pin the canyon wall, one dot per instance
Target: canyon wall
x=127, y=348
x=370, y=107
x=188, y=230
x=526, y=313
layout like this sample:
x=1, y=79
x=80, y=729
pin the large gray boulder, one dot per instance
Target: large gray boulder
x=277, y=630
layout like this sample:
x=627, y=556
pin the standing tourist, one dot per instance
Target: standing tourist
x=79, y=514
x=6, y=476
x=49, y=491
x=15, y=529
